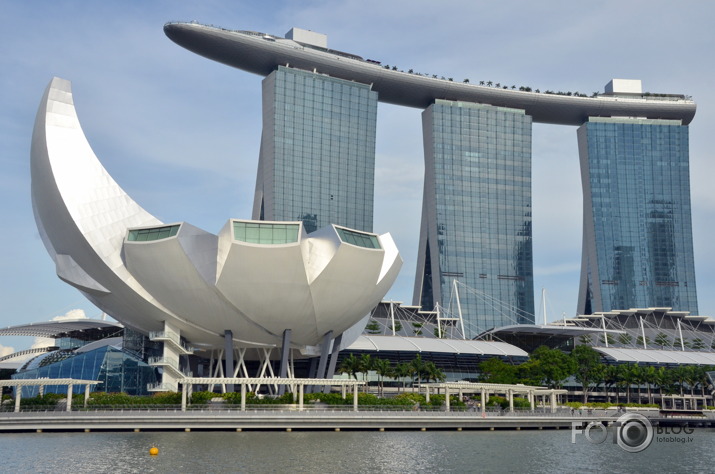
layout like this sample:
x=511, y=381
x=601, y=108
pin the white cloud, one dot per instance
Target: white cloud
x=5, y=350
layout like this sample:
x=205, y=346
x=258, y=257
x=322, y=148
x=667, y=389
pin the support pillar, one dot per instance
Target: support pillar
x=333, y=360
x=243, y=397
x=324, y=349
x=553, y=402
x=285, y=352
x=324, y=354
x=446, y=398
x=228, y=353
x=531, y=400
x=86, y=394
x=510, y=395
x=69, y=396
x=355, y=397
x=183, y=396
x=427, y=394
x=484, y=402
x=18, y=396
x=301, y=390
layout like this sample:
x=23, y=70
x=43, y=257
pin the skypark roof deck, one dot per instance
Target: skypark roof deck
x=261, y=53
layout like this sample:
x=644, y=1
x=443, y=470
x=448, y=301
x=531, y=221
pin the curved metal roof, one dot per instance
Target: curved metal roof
x=423, y=344
x=549, y=329
x=261, y=54
x=53, y=328
x=658, y=356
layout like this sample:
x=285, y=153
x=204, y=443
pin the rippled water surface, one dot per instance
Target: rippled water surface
x=354, y=452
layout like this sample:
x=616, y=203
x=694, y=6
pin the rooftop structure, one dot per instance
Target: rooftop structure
x=261, y=53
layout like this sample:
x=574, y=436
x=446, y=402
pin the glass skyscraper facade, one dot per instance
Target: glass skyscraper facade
x=317, y=158
x=638, y=244
x=476, y=214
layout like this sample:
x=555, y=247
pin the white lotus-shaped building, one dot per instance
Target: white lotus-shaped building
x=253, y=280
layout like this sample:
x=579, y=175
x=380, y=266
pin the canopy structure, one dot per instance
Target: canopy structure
x=487, y=389
x=657, y=356
x=248, y=382
x=53, y=329
x=17, y=383
x=423, y=344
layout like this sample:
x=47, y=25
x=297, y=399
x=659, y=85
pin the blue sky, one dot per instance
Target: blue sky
x=181, y=133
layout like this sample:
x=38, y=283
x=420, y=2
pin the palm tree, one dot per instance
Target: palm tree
x=383, y=368
x=366, y=365
x=611, y=378
x=625, y=339
x=432, y=372
x=403, y=370
x=661, y=339
x=350, y=365
x=418, y=368
x=648, y=376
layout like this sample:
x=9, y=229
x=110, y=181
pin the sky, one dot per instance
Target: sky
x=180, y=133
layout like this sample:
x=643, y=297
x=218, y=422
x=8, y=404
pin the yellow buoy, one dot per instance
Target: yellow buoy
x=153, y=450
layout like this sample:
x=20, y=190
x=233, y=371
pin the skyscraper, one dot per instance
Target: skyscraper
x=317, y=159
x=637, y=238
x=476, y=214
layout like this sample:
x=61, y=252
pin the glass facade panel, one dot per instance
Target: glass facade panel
x=317, y=160
x=638, y=244
x=270, y=234
x=360, y=239
x=116, y=370
x=156, y=233
x=476, y=215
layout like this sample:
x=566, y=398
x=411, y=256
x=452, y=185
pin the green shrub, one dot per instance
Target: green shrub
x=48, y=400
x=202, y=398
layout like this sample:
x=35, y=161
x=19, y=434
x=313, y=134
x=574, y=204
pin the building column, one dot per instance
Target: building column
x=18, y=396
x=301, y=390
x=69, y=396
x=427, y=394
x=243, y=397
x=285, y=352
x=324, y=355
x=484, y=402
x=531, y=399
x=86, y=394
x=183, y=397
x=553, y=401
x=228, y=354
x=355, y=397
x=510, y=395
x=446, y=397
x=333, y=360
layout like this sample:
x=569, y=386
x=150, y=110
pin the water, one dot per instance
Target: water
x=353, y=452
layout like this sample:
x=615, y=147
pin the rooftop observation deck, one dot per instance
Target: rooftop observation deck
x=261, y=53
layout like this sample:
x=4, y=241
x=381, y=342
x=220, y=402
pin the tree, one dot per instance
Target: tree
x=366, y=365
x=612, y=378
x=383, y=368
x=350, y=365
x=397, y=327
x=589, y=368
x=554, y=366
x=432, y=372
x=497, y=371
x=373, y=327
x=661, y=339
x=625, y=339
x=418, y=368
x=606, y=339
x=697, y=343
x=585, y=339
x=403, y=371
x=640, y=340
